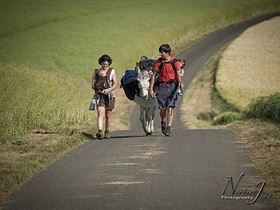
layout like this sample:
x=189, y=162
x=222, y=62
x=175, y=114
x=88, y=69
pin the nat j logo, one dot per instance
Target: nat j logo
x=231, y=192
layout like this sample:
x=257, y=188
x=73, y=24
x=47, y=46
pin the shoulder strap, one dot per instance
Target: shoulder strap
x=108, y=73
x=161, y=66
x=172, y=62
x=95, y=72
x=109, y=76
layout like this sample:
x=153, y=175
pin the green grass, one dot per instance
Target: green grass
x=51, y=107
x=70, y=36
x=265, y=108
x=32, y=99
x=226, y=112
x=207, y=116
x=221, y=105
x=20, y=159
x=226, y=117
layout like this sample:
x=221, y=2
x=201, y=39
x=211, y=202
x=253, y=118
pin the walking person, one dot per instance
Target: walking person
x=167, y=68
x=104, y=82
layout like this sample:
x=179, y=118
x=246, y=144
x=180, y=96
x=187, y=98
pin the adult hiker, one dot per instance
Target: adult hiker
x=104, y=82
x=167, y=71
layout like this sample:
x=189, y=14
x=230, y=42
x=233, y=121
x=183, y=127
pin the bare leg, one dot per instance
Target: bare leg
x=108, y=115
x=101, y=114
x=170, y=116
x=162, y=114
x=163, y=118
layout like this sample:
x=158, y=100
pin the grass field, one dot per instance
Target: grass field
x=49, y=48
x=71, y=35
x=249, y=67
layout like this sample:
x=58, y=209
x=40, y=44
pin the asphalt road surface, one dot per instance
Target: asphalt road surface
x=188, y=170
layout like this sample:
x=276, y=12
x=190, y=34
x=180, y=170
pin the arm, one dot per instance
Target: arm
x=152, y=82
x=115, y=84
x=179, y=78
x=178, y=67
x=93, y=80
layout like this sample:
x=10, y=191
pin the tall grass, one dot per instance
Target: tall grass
x=32, y=99
x=249, y=67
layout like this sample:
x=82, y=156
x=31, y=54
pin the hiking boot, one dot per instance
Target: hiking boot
x=107, y=134
x=168, y=131
x=163, y=128
x=99, y=134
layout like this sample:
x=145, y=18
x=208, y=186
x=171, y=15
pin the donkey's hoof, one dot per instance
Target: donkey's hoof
x=148, y=133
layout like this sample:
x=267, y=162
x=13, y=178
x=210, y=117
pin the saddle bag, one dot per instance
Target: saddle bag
x=130, y=84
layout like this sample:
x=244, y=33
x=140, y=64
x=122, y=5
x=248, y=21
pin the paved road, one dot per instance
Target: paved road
x=130, y=171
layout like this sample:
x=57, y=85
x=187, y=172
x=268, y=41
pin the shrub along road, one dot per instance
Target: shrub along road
x=130, y=171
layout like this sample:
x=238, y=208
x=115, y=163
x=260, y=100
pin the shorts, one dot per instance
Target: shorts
x=105, y=101
x=167, y=95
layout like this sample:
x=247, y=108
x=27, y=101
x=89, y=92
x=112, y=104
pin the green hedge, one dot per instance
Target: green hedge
x=226, y=117
x=266, y=108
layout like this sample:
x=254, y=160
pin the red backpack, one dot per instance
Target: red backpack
x=161, y=67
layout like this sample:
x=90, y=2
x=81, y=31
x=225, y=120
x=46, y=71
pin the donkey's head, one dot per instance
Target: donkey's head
x=145, y=71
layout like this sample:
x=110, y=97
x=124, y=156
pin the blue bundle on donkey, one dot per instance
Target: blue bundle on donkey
x=129, y=83
x=136, y=84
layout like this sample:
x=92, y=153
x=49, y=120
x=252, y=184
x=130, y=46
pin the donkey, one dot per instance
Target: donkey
x=148, y=104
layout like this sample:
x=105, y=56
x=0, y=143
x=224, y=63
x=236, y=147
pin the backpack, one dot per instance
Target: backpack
x=172, y=64
x=103, y=84
x=130, y=84
x=156, y=84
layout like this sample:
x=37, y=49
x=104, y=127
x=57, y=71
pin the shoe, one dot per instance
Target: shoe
x=163, y=128
x=107, y=134
x=99, y=134
x=168, y=131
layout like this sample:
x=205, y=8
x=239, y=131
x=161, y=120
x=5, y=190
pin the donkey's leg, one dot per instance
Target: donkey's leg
x=148, y=119
x=153, y=113
x=143, y=118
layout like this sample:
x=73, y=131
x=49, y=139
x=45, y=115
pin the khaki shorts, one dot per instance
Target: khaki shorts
x=105, y=102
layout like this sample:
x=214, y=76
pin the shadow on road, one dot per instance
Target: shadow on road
x=91, y=137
